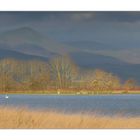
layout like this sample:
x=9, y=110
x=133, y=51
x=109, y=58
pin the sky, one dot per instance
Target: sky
x=114, y=28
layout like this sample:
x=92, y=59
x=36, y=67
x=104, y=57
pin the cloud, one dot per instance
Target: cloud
x=20, y=18
x=82, y=16
x=100, y=16
x=15, y=18
x=118, y=16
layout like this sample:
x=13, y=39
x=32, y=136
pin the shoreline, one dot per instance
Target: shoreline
x=66, y=92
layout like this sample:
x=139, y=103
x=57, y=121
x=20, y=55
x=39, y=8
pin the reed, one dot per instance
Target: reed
x=24, y=118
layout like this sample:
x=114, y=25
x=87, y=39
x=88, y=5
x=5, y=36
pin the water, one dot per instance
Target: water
x=127, y=105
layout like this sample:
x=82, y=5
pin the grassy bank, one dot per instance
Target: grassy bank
x=22, y=118
x=71, y=92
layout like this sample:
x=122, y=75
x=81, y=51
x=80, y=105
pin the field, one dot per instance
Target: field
x=24, y=118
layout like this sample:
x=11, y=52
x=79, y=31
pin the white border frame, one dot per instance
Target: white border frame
x=69, y=5
x=70, y=134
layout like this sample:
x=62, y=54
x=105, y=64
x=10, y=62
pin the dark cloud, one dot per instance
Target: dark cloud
x=23, y=17
x=99, y=16
x=62, y=26
x=118, y=16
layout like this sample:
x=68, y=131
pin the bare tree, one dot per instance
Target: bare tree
x=129, y=84
x=63, y=71
x=103, y=81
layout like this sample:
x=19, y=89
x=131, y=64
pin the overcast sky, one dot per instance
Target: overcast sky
x=115, y=28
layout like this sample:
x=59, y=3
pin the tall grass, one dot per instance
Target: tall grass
x=23, y=118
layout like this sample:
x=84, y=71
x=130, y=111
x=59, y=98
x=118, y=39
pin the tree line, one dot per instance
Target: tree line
x=60, y=73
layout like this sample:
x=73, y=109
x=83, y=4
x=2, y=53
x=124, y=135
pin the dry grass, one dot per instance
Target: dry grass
x=22, y=118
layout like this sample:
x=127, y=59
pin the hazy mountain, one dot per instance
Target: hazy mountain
x=87, y=45
x=26, y=43
x=19, y=56
x=29, y=41
x=87, y=59
x=94, y=61
x=129, y=53
x=34, y=50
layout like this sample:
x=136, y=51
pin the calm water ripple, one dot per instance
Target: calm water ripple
x=128, y=105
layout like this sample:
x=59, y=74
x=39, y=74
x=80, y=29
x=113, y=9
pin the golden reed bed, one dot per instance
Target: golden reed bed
x=23, y=118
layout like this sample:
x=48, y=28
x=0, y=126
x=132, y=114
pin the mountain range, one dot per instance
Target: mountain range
x=26, y=43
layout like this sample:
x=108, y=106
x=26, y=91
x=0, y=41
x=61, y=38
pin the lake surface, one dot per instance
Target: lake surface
x=127, y=105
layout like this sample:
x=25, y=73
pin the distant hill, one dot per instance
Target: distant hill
x=129, y=53
x=27, y=40
x=124, y=70
x=19, y=56
x=87, y=45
